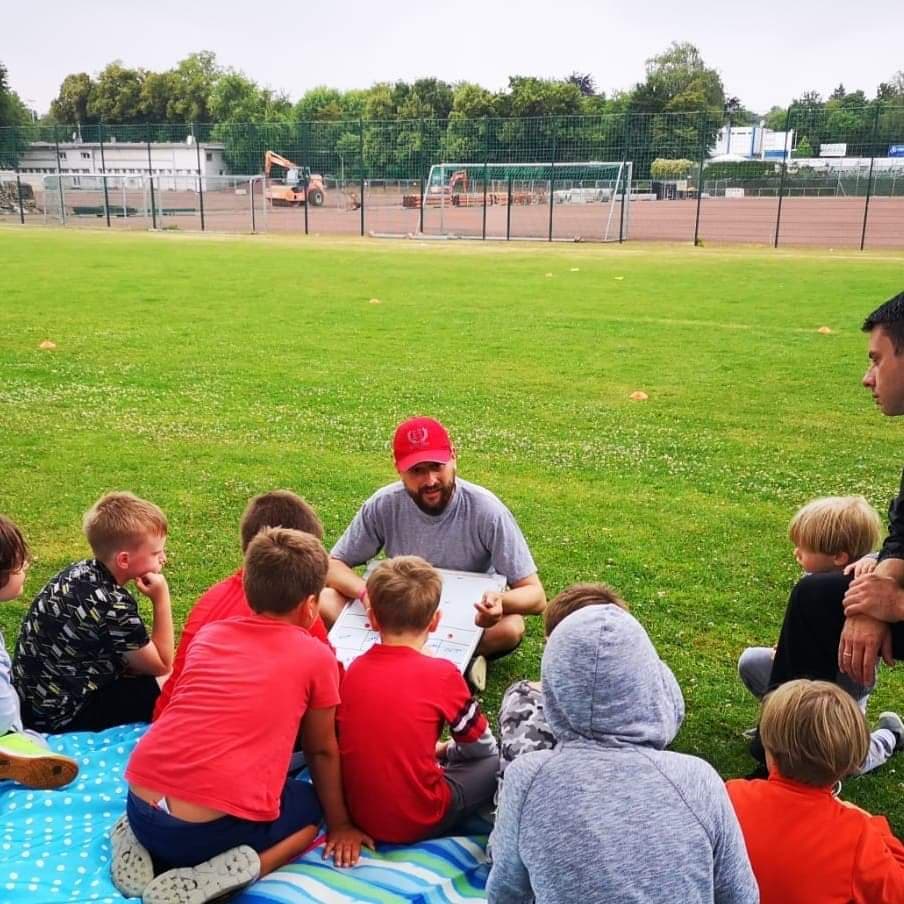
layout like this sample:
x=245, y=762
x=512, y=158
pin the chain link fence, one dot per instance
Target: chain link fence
x=830, y=177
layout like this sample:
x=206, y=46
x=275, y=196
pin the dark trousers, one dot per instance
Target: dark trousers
x=808, y=643
x=811, y=631
x=125, y=700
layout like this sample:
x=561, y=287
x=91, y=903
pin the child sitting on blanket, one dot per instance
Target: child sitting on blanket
x=208, y=792
x=835, y=533
x=804, y=843
x=24, y=757
x=522, y=725
x=609, y=814
x=279, y=508
x=84, y=661
x=396, y=700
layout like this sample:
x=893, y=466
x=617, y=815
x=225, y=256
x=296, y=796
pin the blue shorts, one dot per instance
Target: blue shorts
x=175, y=842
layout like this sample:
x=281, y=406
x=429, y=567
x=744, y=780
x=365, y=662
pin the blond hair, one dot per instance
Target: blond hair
x=404, y=593
x=121, y=521
x=814, y=731
x=283, y=567
x=835, y=525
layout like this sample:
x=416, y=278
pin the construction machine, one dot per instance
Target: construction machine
x=300, y=187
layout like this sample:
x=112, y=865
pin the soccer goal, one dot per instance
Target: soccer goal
x=590, y=198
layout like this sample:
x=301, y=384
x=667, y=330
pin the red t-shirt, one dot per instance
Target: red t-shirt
x=226, y=738
x=395, y=702
x=224, y=600
x=805, y=846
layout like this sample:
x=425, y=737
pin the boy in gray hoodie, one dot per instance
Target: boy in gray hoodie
x=609, y=814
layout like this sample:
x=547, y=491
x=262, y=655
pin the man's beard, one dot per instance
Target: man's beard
x=440, y=506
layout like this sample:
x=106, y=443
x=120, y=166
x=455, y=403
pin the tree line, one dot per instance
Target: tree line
x=398, y=129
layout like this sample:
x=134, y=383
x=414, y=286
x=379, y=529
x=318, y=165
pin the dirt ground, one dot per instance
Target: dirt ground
x=823, y=222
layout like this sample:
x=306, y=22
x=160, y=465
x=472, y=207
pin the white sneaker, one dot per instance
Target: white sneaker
x=131, y=867
x=892, y=721
x=223, y=874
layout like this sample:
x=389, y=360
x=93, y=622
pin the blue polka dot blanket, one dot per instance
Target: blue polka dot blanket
x=55, y=846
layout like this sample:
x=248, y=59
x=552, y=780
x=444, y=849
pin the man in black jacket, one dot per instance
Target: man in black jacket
x=834, y=622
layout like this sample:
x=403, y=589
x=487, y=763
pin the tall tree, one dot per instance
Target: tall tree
x=71, y=103
x=116, y=97
x=678, y=81
x=191, y=83
x=584, y=83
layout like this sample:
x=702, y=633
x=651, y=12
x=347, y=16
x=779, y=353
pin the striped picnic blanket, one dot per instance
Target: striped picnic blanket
x=55, y=848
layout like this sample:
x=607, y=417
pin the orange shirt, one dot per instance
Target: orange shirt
x=806, y=847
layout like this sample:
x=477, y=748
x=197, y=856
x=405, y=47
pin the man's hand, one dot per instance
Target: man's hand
x=867, y=565
x=879, y=597
x=489, y=610
x=344, y=844
x=153, y=585
x=862, y=640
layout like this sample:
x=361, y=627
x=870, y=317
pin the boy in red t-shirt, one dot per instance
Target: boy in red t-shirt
x=395, y=702
x=805, y=845
x=210, y=774
x=278, y=508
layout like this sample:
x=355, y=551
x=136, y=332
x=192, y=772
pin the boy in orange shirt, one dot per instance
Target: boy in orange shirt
x=805, y=845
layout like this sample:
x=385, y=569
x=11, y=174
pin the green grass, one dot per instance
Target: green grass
x=198, y=372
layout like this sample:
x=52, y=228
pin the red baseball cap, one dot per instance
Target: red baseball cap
x=421, y=439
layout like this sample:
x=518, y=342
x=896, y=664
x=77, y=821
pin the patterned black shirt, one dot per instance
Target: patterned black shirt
x=73, y=640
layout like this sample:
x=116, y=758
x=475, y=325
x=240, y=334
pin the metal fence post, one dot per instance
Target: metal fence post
x=700, y=178
x=781, y=183
x=151, y=179
x=486, y=152
x=869, y=182
x=251, y=192
x=508, y=211
x=56, y=141
x=621, y=213
x=307, y=181
x=552, y=180
x=422, y=168
x=200, y=177
x=103, y=169
x=19, y=194
x=361, y=150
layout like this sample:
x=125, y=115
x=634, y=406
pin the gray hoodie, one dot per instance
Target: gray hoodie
x=609, y=815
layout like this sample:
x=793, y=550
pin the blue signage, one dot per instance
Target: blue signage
x=896, y=150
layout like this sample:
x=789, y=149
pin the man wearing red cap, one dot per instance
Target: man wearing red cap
x=449, y=522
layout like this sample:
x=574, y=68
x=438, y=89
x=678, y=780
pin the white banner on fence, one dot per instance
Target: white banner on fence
x=833, y=150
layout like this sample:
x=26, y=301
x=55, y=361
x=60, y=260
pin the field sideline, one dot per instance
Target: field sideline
x=200, y=370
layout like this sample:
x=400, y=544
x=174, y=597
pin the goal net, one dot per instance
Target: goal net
x=601, y=189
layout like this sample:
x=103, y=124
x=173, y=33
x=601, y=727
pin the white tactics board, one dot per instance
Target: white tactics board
x=455, y=639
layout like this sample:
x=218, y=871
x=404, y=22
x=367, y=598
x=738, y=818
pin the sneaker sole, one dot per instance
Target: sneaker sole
x=477, y=674
x=224, y=874
x=131, y=868
x=41, y=772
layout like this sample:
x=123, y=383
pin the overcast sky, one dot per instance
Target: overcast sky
x=766, y=54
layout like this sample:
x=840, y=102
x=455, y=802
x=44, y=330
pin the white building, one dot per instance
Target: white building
x=173, y=163
x=753, y=142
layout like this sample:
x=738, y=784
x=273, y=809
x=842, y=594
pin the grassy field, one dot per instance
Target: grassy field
x=199, y=371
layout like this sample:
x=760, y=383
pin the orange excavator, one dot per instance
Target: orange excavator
x=300, y=187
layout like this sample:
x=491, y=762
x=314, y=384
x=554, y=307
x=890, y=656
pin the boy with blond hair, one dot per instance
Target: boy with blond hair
x=84, y=660
x=833, y=534
x=277, y=508
x=805, y=845
x=396, y=700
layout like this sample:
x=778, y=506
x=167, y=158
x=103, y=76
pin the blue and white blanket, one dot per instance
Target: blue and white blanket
x=54, y=846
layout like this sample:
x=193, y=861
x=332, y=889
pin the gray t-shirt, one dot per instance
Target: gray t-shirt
x=476, y=532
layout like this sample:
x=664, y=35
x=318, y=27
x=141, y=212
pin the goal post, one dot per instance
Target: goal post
x=606, y=185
